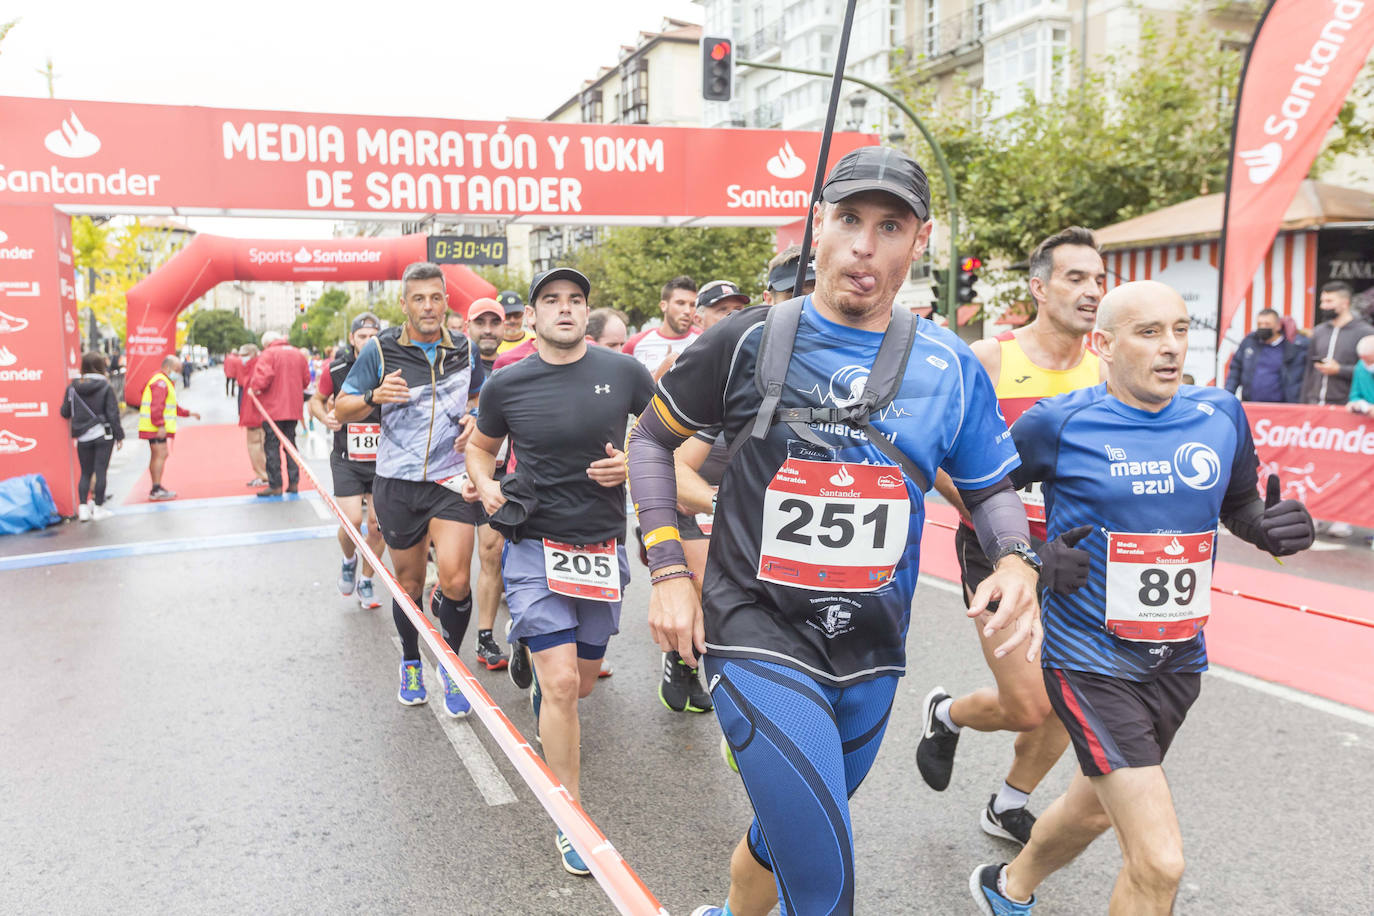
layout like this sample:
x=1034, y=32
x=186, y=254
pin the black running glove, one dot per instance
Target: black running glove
x=1065, y=566
x=1286, y=524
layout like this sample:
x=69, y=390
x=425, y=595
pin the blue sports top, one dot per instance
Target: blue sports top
x=1121, y=469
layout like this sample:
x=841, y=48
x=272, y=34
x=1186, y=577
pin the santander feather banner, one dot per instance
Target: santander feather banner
x=1302, y=62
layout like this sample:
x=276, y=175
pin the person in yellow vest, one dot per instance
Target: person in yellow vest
x=157, y=422
x=1048, y=356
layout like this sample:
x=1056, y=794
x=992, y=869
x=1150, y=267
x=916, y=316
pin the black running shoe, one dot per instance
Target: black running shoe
x=1012, y=824
x=521, y=671
x=489, y=653
x=680, y=689
x=935, y=753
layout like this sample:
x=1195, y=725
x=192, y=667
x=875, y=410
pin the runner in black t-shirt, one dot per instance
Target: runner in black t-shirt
x=565, y=408
x=353, y=460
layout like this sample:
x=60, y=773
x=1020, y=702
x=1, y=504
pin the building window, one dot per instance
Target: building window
x=932, y=36
x=1027, y=59
x=634, y=92
x=591, y=106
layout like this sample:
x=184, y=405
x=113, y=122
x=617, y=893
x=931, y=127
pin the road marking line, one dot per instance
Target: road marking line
x=488, y=779
x=145, y=548
x=1283, y=692
x=211, y=502
x=320, y=508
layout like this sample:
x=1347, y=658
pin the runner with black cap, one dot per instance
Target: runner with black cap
x=839, y=409
x=353, y=460
x=782, y=275
x=513, y=330
x=680, y=688
x=422, y=379
x=562, y=508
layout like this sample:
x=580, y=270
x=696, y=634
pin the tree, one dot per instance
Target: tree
x=505, y=277
x=1136, y=136
x=317, y=328
x=629, y=266
x=218, y=330
x=117, y=257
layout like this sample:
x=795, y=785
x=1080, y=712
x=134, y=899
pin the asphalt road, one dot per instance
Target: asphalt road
x=216, y=731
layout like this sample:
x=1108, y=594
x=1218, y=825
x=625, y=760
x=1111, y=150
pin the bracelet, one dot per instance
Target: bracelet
x=676, y=574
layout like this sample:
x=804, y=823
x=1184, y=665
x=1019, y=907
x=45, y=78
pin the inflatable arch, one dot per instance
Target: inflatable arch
x=155, y=302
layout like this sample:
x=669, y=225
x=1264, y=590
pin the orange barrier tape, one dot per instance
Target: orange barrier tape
x=1236, y=593
x=627, y=892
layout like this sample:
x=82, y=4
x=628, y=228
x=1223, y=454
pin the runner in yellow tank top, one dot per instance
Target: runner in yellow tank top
x=1049, y=356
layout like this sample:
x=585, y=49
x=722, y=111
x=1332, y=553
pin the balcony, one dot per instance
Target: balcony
x=763, y=44
x=951, y=37
x=769, y=114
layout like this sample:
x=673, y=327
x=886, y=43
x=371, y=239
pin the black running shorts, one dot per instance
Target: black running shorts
x=689, y=530
x=405, y=507
x=1117, y=723
x=351, y=478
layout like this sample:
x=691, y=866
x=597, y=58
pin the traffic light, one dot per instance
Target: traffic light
x=968, y=277
x=717, y=69
x=939, y=281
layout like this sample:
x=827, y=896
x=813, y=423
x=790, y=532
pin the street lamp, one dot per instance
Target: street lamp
x=857, y=102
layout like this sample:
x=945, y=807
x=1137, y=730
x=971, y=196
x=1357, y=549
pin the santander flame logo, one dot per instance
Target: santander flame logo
x=72, y=140
x=302, y=256
x=3, y=238
x=6, y=357
x=1173, y=548
x=842, y=477
x=1262, y=163
x=786, y=164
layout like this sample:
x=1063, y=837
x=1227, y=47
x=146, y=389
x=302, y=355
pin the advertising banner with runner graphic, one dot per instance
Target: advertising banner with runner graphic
x=1322, y=455
x=40, y=348
x=1302, y=62
x=117, y=157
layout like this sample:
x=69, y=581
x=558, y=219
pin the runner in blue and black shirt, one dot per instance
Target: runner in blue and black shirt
x=816, y=541
x=1142, y=469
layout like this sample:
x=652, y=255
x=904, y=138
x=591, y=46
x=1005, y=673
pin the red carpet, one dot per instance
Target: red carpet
x=1329, y=658
x=205, y=461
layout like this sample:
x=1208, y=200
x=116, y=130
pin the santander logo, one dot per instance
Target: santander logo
x=302, y=256
x=786, y=164
x=3, y=238
x=1262, y=163
x=6, y=357
x=13, y=443
x=72, y=140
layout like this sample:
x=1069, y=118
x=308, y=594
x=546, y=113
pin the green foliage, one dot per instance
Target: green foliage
x=1138, y=135
x=119, y=256
x=218, y=330
x=317, y=327
x=5, y=28
x=630, y=265
x=505, y=277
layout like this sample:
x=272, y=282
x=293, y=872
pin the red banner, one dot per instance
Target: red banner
x=130, y=158
x=40, y=348
x=1324, y=457
x=1302, y=62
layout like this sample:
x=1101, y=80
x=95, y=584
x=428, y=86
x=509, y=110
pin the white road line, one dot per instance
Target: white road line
x=1293, y=695
x=320, y=508
x=1321, y=704
x=488, y=779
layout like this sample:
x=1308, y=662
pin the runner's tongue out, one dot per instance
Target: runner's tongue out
x=865, y=282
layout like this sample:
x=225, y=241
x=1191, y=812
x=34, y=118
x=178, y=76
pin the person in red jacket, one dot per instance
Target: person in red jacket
x=250, y=418
x=279, y=380
x=233, y=365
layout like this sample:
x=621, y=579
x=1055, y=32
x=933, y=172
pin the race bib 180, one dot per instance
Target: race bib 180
x=833, y=526
x=362, y=441
x=590, y=571
x=1159, y=586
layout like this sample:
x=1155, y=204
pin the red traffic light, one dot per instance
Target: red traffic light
x=971, y=264
x=719, y=50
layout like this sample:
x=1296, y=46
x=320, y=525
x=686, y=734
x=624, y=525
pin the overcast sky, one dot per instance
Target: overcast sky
x=454, y=59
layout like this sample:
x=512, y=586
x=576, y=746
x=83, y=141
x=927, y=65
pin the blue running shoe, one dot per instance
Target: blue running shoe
x=347, y=576
x=572, y=862
x=367, y=598
x=983, y=885
x=709, y=910
x=455, y=704
x=412, y=692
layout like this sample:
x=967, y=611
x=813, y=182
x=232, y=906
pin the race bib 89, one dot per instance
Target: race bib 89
x=833, y=526
x=1159, y=586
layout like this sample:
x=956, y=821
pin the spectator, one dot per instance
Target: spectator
x=233, y=363
x=91, y=405
x=157, y=423
x=279, y=380
x=1332, y=363
x=1268, y=366
x=187, y=367
x=1362, y=382
x=250, y=418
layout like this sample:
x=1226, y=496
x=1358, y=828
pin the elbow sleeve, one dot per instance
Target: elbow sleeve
x=653, y=487
x=999, y=519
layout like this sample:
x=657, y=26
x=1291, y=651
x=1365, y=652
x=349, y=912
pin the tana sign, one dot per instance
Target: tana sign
x=115, y=157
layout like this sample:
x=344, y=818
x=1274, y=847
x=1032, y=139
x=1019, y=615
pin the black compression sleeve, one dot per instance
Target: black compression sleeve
x=999, y=518
x=653, y=487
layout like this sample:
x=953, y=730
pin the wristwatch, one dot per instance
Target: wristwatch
x=367, y=397
x=1021, y=552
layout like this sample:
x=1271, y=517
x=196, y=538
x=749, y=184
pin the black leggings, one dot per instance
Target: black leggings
x=95, y=459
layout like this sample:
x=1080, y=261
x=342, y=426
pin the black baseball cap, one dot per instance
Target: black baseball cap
x=880, y=168
x=365, y=320
x=559, y=273
x=717, y=291
x=784, y=276
x=510, y=301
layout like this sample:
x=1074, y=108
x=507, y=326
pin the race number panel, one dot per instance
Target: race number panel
x=1033, y=498
x=362, y=441
x=833, y=526
x=1159, y=586
x=590, y=571
x=705, y=521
